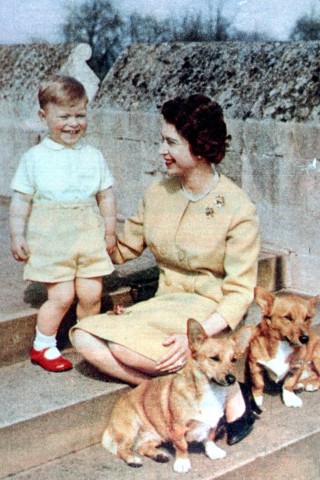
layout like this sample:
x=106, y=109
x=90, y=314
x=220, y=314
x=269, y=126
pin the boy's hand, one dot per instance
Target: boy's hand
x=110, y=243
x=20, y=249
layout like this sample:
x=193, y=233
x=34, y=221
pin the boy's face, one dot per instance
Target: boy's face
x=66, y=124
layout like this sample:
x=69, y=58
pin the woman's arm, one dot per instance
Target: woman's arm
x=19, y=211
x=240, y=265
x=215, y=324
x=131, y=242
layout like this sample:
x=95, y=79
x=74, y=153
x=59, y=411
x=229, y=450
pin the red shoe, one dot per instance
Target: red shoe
x=59, y=364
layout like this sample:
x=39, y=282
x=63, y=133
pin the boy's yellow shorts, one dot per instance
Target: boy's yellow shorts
x=65, y=242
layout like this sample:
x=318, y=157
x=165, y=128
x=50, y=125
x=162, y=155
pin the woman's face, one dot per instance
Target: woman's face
x=176, y=152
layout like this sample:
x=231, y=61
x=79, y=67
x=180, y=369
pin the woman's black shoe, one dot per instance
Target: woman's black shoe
x=240, y=428
x=249, y=399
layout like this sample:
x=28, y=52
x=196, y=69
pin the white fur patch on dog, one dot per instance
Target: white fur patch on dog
x=259, y=400
x=290, y=399
x=213, y=452
x=278, y=366
x=311, y=388
x=108, y=443
x=210, y=410
x=182, y=465
x=211, y=406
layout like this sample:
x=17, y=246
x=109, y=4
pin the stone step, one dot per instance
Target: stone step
x=47, y=415
x=129, y=283
x=136, y=280
x=51, y=428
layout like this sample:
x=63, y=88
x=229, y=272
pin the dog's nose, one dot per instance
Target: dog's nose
x=230, y=379
x=304, y=338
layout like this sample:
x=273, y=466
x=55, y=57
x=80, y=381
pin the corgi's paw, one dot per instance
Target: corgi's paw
x=134, y=461
x=259, y=400
x=299, y=386
x=311, y=388
x=290, y=399
x=214, y=452
x=182, y=465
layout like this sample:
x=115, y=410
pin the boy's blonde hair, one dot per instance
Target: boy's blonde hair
x=61, y=90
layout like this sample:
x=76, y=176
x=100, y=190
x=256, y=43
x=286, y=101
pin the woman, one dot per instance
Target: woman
x=203, y=232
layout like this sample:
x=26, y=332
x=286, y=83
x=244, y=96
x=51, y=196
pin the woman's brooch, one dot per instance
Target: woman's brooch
x=219, y=202
x=210, y=212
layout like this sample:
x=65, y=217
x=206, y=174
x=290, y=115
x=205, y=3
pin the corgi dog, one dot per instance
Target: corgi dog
x=182, y=407
x=284, y=346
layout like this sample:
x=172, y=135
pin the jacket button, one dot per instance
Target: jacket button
x=181, y=256
x=168, y=282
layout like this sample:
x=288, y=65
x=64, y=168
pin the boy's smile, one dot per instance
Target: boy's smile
x=66, y=124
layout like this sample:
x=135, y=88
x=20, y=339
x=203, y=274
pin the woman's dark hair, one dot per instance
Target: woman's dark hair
x=200, y=121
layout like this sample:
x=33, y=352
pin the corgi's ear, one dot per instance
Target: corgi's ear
x=196, y=334
x=243, y=338
x=312, y=305
x=264, y=299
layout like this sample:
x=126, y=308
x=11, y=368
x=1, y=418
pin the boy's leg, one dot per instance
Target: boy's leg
x=51, y=313
x=88, y=291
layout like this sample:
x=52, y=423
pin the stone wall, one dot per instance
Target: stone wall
x=272, y=161
x=271, y=80
x=270, y=95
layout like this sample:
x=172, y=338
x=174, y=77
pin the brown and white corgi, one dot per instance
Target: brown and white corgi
x=178, y=408
x=284, y=346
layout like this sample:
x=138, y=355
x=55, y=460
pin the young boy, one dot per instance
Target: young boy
x=62, y=216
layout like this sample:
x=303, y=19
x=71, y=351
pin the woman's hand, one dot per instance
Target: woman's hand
x=176, y=356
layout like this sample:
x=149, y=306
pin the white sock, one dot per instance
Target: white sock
x=42, y=341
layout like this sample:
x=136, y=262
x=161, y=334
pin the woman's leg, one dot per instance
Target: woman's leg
x=89, y=291
x=112, y=359
x=236, y=406
x=239, y=425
